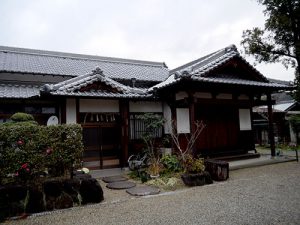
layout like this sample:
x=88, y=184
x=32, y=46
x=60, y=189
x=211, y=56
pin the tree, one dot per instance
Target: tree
x=279, y=41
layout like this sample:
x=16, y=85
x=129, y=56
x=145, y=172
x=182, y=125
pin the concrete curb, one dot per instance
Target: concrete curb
x=260, y=163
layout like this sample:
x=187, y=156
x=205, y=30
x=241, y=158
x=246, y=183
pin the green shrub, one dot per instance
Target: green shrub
x=21, y=117
x=171, y=163
x=27, y=149
x=193, y=165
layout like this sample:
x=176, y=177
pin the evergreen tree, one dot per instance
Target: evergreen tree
x=279, y=41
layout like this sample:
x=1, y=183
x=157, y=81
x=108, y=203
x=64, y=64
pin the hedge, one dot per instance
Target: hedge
x=28, y=150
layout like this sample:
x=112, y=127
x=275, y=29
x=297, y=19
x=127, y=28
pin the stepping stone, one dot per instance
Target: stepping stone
x=121, y=185
x=143, y=190
x=114, y=179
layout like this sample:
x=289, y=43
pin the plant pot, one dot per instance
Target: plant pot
x=154, y=176
x=190, y=179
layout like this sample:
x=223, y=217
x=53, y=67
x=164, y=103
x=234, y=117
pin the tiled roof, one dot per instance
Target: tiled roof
x=19, y=91
x=197, y=70
x=73, y=87
x=67, y=64
x=282, y=107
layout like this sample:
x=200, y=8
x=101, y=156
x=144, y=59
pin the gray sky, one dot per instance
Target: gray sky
x=170, y=31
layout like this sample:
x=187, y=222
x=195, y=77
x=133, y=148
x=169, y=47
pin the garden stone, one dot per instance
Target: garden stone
x=143, y=190
x=218, y=169
x=83, y=176
x=4, y=209
x=91, y=191
x=121, y=185
x=64, y=201
x=53, y=188
x=15, y=192
x=71, y=187
x=114, y=179
x=76, y=172
x=208, y=179
x=197, y=179
x=50, y=203
x=35, y=202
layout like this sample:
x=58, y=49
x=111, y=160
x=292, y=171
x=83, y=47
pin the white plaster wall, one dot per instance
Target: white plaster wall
x=71, y=110
x=243, y=97
x=206, y=95
x=144, y=106
x=98, y=105
x=181, y=95
x=168, y=118
x=224, y=96
x=183, y=120
x=245, y=119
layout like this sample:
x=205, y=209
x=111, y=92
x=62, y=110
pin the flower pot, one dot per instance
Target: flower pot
x=154, y=176
x=191, y=179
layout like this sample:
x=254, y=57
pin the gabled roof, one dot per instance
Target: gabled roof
x=21, y=60
x=79, y=86
x=19, y=91
x=282, y=107
x=202, y=70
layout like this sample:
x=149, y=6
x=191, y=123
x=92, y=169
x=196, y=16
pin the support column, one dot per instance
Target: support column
x=271, y=128
x=192, y=114
x=124, y=111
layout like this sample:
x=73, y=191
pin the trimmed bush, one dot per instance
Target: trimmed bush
x=21, y=117
x=27, y=150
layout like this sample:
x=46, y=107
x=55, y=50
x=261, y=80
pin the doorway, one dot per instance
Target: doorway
x=102, y=144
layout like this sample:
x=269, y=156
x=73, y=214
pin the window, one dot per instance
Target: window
x=138, y=127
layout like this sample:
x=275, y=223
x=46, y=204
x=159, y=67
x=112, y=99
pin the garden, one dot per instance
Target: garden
x=172, y=169
x=36, y=168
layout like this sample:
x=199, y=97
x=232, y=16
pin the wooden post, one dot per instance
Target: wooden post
x=192, y=113
x=124, y=110
x=77, y=111
x=271, y=128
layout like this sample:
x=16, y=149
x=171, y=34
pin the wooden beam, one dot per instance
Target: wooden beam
x=124, y=111
x=271, y=128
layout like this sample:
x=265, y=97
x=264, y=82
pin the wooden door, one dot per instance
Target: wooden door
x=220, y=135
x=102, y=146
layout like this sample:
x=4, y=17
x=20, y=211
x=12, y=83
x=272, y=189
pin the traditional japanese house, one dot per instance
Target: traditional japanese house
x=105, y=95
x=285, y=107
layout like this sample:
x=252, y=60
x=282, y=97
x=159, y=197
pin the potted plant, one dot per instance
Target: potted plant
x=166, y=147
x=194, y=174
x=154, y=168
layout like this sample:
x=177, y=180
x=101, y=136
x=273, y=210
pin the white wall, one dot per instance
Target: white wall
x=144, y=106
x=245, y=119
x=224, y=96
x=181, y=95
x=98, y=105
x=206, y=95
x=70, y=110
x=183, y=120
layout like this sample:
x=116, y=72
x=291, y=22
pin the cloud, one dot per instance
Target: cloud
x=173, y=31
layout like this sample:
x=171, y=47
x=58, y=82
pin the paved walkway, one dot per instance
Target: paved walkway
x=262, y=195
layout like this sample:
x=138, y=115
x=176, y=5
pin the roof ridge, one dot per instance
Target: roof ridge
x=204, y=58
x=58, y=54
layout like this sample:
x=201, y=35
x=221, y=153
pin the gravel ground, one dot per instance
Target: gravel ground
x=261, y=195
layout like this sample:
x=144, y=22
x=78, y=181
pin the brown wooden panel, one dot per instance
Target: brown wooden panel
x=222, y=129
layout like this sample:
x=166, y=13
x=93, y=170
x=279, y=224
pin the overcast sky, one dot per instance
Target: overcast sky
x=170, y=31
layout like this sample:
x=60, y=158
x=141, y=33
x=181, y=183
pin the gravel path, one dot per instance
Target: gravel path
x=261, y=195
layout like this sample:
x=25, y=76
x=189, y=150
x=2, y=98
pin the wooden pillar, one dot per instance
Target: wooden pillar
x=62, y=111
x=192, y=114
x=124, y=111
x=77, y=111
x=271, y=128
